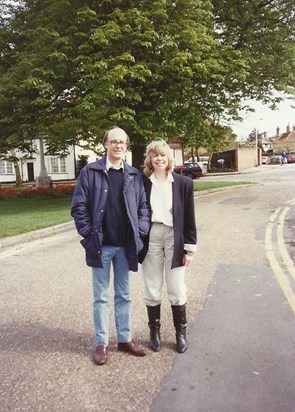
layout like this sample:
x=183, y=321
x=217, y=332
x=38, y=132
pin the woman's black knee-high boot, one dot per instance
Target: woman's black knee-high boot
x=179, y=320
x=154, y=314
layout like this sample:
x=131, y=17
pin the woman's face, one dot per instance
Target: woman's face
x=159, y=161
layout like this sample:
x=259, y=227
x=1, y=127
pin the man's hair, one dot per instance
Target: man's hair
x=154, y=148
x=113, y=129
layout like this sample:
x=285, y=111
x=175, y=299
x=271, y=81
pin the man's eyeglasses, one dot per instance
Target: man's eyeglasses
x=117, y=143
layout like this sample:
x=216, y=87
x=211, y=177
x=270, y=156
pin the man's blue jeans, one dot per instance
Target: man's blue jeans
x=122, y=303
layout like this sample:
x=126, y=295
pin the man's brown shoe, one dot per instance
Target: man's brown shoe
x=131, y=347
x=101, y=356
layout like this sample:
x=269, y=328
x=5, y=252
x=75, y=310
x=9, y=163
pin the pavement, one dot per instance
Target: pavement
x=237, y=360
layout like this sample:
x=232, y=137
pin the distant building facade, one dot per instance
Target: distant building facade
x=58, y=168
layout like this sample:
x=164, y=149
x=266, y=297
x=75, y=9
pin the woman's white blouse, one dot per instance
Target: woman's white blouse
x=161, y=200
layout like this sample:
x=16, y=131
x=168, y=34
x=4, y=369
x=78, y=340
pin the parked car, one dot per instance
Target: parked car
x=291, y=157
x=265, y=160
x=194, y=170
x=275, y=159
x=202, y=159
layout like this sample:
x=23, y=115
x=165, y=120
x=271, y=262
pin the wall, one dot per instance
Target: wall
x=246, y=158
x=237, y=159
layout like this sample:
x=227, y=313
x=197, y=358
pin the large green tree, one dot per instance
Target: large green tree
x=264, y=33
x=71, y=69
x=130, y=63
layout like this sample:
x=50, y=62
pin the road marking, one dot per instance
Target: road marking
x=283, y=250
x=279, y=272
x=282, y=279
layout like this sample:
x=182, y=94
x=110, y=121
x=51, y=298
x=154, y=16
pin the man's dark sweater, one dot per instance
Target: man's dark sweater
x=115, y=222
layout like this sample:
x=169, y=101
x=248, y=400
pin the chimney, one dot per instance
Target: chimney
x=264, y=135
x=293, y=128
x=288, y=128
x=278, y=131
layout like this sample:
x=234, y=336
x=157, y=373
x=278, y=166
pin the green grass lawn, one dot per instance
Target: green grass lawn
x=21, y=215
x=18, y=215
x=202, y=185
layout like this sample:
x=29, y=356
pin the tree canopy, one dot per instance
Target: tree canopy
x=71, y=69
x=263, y=31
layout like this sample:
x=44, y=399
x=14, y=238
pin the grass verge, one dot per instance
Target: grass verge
x=202, y=185
x=21, y=215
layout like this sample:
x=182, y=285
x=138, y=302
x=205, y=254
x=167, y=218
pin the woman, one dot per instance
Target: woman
x=171, y=242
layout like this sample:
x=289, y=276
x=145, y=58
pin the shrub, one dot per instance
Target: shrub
x=65, y=188
x=32, y=191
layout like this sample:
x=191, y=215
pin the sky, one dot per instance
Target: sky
x=265, y=120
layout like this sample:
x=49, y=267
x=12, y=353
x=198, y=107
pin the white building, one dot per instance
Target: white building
x=57, y=168
x=30, y=168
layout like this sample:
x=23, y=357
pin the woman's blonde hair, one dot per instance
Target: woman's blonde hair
x=155, y=148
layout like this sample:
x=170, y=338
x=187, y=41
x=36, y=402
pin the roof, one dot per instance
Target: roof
x=287, y=136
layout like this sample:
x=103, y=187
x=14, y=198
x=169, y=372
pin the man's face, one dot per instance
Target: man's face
x=116, y=145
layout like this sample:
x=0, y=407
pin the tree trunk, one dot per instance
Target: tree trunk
x=18, y=176
x=138, y=156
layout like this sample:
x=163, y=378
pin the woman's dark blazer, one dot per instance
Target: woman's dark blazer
x=184, y=224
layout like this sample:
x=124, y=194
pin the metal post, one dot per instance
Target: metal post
x=256, y=147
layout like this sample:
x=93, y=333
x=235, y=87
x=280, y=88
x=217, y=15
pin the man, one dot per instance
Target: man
x=111, y=214
x=284, y=158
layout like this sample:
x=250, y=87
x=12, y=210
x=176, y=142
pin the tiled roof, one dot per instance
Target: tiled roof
x=287, y=136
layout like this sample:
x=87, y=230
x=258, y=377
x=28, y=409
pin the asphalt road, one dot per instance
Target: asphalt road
x=240, y=311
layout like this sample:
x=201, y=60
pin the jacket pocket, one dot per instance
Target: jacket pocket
x=90, y=245
x=139, y=244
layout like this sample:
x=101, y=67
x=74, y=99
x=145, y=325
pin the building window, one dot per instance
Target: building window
x=9, y=168
x=57, y=165
x=63, y=168
x=6, y=168
x=54, y=165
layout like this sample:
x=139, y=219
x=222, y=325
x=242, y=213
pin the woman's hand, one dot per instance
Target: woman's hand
x=187, y=257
